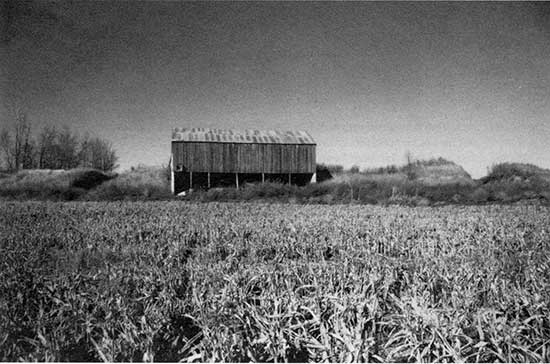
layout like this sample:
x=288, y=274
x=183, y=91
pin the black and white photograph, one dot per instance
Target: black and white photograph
x=274, y=181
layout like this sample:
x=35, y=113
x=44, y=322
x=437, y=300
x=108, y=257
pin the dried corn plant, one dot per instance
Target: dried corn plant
x=157, y=281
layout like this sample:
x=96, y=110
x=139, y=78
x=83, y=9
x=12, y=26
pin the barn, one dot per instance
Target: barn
x=205, y=158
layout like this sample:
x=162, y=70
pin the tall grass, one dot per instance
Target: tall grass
x=141, y=183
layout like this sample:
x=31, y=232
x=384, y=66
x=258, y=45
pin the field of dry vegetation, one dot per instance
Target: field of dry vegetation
x=171, y=281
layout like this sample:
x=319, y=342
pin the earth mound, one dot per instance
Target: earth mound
x=441, y=171
x=517, y=172
x=512, y=182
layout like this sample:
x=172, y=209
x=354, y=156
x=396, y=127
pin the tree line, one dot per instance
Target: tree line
x=53, y=148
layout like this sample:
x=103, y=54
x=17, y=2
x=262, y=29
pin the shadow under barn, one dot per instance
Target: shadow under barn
x=184, y=181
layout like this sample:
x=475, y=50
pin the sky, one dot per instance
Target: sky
x=370, y=81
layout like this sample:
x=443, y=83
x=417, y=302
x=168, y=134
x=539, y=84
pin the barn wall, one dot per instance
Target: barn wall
x=244, y=157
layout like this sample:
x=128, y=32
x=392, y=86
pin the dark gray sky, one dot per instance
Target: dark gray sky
x=369, y=80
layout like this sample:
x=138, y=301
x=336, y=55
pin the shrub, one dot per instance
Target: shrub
x=142, y=183
x=267, y=190
x=479, y=195
x=335, y=168
x=445, y=192
x=510, y=170
x=51, y=184
x=354, y=169
x=322, y=173
x=314, y=190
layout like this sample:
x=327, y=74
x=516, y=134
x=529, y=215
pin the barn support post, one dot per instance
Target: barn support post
x=208, y=180
x=190, y=180
x=263, y=177
x=289, y=179
x=237, y=180
x=172, y=181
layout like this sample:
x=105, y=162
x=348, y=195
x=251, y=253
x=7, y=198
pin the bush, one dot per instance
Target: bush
x=335, y=168
x=322, y=173
x=445, y=192
x=215, y=194
x=267, y=190
x=479, y=195
x=51, y=184
x=250, y=191
x=510, y=170
x=142, y=183
x=314, y=190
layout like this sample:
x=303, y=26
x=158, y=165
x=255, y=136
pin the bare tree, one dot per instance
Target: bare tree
x=97, y=153
x=67, y=149
x=53, y=149
x=18, y=151
x=410, y=169
x=6, y=147
x=46, y=147
x=104, y=156
x=22, y=131
x=85, y=154
x=57, y=149
x=28, y=155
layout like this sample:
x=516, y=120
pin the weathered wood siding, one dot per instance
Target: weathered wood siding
x=244, y=158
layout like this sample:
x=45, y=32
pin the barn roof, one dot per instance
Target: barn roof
x=241, y=136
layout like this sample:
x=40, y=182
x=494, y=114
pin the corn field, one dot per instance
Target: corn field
x=172, y=281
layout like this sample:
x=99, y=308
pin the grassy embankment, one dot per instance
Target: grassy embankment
x=142, y=183
x=422, y=183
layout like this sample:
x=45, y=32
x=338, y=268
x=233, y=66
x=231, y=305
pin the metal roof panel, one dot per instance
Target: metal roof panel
x=241, y=136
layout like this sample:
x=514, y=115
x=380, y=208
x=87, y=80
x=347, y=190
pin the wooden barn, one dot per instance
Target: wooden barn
x=205, y=158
